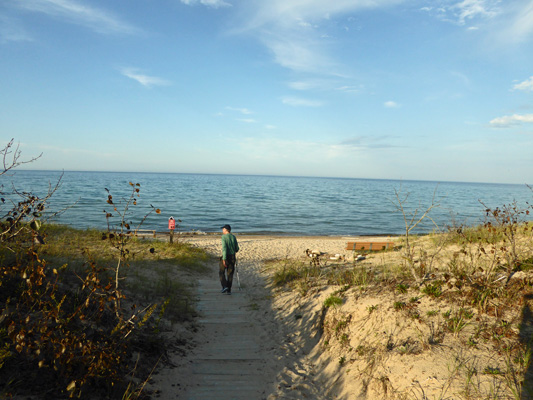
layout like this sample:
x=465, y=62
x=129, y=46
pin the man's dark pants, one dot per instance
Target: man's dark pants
x=226, y=273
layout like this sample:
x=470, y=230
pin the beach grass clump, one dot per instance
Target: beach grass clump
x=402, y=288
x=358, y=276
x=296, y=273
x=160, y=283
x=372, y=308
x=525, y=264
x=70, y=243
x=457, y=320
x=433, y=289
x=399, y=305
x=392, y=272
x=187, y=256
x=286, y=273
x=332, y=301
x=472, y=235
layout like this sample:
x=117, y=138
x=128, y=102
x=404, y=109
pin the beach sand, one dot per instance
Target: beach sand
x=364, y=348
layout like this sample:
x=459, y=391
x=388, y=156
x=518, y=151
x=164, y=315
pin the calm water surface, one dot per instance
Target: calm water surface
x=265, y=204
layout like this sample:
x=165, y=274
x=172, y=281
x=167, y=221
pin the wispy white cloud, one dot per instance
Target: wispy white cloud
x=75, y=12
x=527, y=85
x=291, y=30
x=300, y=102
x=145, y=80
x=244, y=111
x=304, y=85
x=304, y=24
x=511, y=120
x=520, y=24
x=369, y=142
x=303, y=53
x=470, y=9
x=504, y=22
x=391, y=104
x=283, y=13
x=509, y=21
x=462, y=77
x=323, y=85
x=349, y=89
x=209, y=3
x=464, y=11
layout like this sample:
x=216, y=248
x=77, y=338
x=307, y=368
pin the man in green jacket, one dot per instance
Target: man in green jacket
x=227, y=261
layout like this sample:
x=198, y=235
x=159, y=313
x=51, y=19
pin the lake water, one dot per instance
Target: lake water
x=264, y=204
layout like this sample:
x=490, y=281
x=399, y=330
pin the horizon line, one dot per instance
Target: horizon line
x=275, y=176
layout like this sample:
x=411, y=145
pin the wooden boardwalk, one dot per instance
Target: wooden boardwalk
x=231, y=362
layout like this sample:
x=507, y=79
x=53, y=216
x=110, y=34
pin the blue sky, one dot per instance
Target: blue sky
x=415, y=89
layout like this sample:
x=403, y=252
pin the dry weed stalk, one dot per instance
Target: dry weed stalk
x=412, y=219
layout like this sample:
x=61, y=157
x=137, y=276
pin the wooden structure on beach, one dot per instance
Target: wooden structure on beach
x=370, y=245
x=145, y=232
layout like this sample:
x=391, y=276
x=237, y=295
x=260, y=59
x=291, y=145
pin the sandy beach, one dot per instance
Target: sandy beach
x=256, y=249
x=364, y=348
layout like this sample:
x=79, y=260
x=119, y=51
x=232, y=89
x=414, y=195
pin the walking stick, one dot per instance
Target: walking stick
x=237, y=271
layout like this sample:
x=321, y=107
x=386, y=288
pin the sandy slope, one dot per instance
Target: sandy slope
x=365, y=348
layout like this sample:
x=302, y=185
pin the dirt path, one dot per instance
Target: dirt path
x=235, y=347
x=232, y=362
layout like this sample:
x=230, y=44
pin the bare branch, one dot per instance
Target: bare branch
x=10, y=156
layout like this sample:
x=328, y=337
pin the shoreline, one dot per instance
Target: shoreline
x=261, y=235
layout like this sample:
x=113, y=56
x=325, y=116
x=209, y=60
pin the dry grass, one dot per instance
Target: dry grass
x=157, y=271
x=470, y=296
